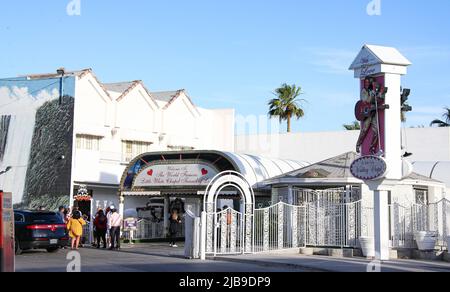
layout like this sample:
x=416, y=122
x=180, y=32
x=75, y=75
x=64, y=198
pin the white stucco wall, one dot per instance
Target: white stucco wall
x=427, y=144
x=137, y=117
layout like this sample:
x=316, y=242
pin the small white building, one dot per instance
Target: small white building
x=116, y=122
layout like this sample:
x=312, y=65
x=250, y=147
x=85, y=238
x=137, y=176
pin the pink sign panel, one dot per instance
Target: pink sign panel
x=370, y=111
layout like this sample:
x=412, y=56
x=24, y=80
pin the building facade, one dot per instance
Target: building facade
x=75, y=132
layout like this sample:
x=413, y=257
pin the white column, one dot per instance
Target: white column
x=393, y=148
x=290, y=198
x=203, y=237
x=381, y=225
x=122, y=205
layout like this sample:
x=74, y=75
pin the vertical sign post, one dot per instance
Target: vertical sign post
x=379, y=70
x=7, y=253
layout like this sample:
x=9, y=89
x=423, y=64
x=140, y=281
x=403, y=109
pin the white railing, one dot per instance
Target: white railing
x=147, y=229
x=150, y=230
x=284, y=226
x=406, y=220
x=279, y=227
x=338, y=225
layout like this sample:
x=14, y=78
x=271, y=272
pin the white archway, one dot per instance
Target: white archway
x=209, y=216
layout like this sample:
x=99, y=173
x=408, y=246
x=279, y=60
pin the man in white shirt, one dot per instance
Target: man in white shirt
x=115, y=222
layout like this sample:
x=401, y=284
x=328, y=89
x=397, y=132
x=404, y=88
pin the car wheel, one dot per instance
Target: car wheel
x=17, y=248
x=53, y=249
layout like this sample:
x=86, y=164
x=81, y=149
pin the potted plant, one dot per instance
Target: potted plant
x=426, y=240
x=367, y=246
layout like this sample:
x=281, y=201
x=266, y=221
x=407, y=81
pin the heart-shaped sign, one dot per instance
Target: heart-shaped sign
x=150, y=172
x=204, y=171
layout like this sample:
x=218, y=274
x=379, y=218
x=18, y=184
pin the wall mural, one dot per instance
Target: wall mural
x=36, y=133
x=4, y=128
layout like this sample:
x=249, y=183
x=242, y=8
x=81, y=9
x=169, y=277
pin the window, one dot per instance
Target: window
x=88, y=142
x=19, y=218
x=131, y=149
x=421, y=196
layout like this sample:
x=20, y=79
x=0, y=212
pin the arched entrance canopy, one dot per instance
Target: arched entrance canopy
x=207, y=164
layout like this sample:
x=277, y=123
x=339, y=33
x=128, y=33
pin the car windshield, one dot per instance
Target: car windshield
x=45, y=218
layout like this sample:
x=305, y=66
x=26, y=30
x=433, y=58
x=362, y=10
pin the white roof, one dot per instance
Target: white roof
x=257, y=169
x=438, y=170
x=372, y=55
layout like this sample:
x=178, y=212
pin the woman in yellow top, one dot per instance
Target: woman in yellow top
x=75, y=227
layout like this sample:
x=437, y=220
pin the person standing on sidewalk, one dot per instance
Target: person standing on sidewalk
x=60, y=213
x=100, y=223
x=115, y=222
x=75, y=228
x=175, y=222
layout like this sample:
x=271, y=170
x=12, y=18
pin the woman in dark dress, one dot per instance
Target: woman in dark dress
x=100, y=224
x=175, y=222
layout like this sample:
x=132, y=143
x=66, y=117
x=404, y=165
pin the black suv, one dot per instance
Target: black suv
x=39, y=230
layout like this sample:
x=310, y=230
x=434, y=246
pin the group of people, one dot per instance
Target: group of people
x=107, y=226
x=105, y=223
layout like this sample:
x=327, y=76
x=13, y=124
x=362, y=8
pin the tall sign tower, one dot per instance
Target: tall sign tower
x=379, y=71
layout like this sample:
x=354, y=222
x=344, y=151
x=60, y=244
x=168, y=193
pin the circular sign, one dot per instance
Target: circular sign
x=369, y=168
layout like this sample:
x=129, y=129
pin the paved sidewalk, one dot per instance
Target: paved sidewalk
x=293, y=259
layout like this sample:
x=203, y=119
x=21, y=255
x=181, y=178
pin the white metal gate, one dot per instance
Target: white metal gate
x=229, y=232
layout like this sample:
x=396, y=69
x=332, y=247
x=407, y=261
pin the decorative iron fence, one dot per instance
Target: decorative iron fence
x=284, y=226
x=279, y=227
x=150, y=230
x=337, y=225
x=406, y=220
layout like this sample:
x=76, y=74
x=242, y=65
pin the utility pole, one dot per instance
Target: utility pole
x=61, y=71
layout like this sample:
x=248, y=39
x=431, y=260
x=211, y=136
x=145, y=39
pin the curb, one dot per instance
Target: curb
x=272, y=264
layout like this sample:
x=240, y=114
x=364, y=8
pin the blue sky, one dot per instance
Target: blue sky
x=232, y=54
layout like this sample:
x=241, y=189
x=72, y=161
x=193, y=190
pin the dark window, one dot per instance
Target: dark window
x=45, y=218
x=19, y=217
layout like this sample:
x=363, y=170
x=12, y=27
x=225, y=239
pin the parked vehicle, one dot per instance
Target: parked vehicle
x=39, y=230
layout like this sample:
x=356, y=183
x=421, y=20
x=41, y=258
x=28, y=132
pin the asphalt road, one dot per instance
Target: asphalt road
x=133, y=259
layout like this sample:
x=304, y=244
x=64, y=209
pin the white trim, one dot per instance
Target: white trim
x=140, y=194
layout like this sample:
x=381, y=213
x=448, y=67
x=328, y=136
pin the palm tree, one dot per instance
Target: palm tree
x=287, y=104
x=353, y=127
x=446, y=122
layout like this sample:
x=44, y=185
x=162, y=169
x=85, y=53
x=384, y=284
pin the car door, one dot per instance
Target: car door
x=19, y=225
